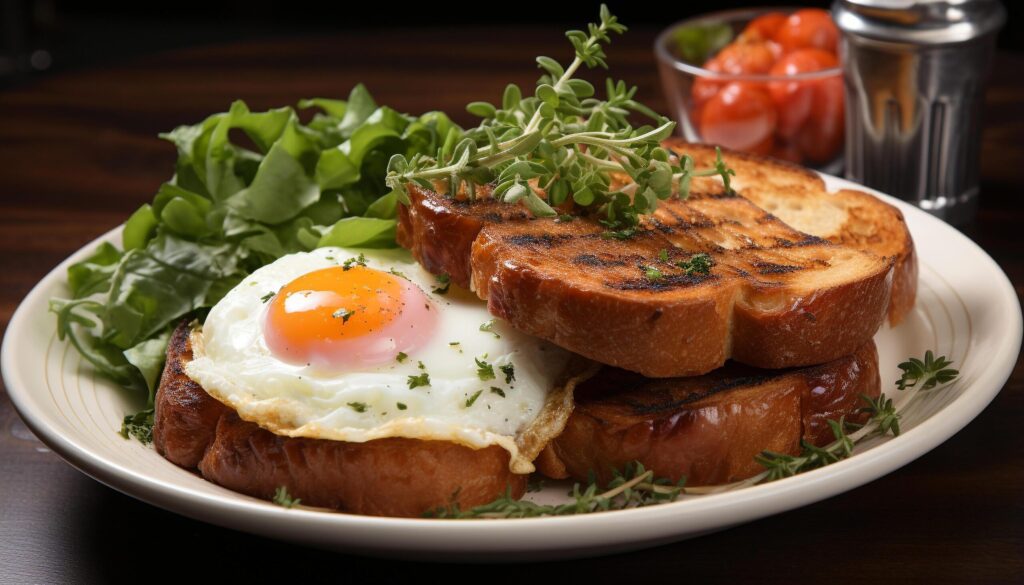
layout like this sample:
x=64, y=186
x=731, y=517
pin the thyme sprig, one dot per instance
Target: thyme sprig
x=561, y=143
x=634, y=487
x=929, y=373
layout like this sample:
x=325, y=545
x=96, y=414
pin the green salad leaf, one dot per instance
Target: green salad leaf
x=248, y=187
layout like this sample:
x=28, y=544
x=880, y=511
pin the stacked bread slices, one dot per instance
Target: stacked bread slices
x=702, y=370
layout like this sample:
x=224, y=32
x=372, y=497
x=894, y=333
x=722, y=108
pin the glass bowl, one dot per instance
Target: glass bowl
x=797, y=117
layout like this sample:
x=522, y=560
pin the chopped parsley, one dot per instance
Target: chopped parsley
x=444, y=282
x=472, y=399
x=139, y=425
x=510, y=373
x=498, y=391
x=417, y=381
x=401, y=405
x=652, y=273
x=268, y=296
x=483, y=369
x=358, y=406
x=663, y=255
x=359, y=260
x=284, y=499
x=401, y=357
x=488, y=327
x=697, y=264
x=398, y=273
x=343, y=314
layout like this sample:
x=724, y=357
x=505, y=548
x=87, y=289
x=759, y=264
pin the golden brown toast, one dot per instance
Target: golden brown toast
x=709, y=428
x=799, y=198
x=775, y=297
x=384, y=477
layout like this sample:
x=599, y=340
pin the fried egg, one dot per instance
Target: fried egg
x=357, y=345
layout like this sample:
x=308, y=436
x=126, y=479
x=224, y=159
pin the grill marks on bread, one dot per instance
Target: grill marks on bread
x=775, y=297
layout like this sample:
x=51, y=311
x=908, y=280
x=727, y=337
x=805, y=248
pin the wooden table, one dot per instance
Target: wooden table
x=79, y=152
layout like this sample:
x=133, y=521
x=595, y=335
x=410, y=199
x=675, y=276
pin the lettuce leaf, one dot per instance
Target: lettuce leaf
x=237, y=201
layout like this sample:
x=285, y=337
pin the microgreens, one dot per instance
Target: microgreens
x=561, y=144
x=927, y=373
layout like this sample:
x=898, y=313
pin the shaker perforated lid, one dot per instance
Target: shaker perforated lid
x=925, y=22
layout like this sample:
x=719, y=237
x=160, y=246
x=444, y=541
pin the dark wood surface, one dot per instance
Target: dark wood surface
x=79, y=151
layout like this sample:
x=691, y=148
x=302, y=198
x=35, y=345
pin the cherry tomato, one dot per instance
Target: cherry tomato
x=821, y=138
x=793, y=98
x=740, y=116
x=763, y=27
x=810, y=27
x=784, y=150
x=743, y=58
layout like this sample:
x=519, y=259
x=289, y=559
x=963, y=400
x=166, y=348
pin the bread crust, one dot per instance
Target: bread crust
x=776, y=297
x=798, y=197
x=707, y=429
x=384, y=477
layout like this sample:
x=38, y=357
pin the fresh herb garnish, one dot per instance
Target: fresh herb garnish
x=268, y=296
x=498, y=391
x=484, y=370
x=359, y=260
x=884, y=420
x=401, y=405
x=343, y=314
x=927, y=373
x=358, y=406
x=510, y=372
x=663, y=255
x=488, y=327
x=420, y=380
x=652, y=273
x=401, y=357
x=634, y=487
x=444, y=282
x=561, y=142
x=697, y=264
x=397, y=273
x=472, y=399
x=139, y=426
x=284, y=499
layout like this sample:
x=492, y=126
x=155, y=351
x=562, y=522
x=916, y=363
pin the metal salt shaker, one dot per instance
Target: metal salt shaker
x=915, y=82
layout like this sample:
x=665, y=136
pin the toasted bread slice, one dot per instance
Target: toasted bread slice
x=799, y=198
x=383, y=477
x=709, y=428
x=775, y=297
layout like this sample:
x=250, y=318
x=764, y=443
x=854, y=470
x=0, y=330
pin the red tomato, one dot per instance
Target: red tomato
x=764, y=27
x=793, y=98
x=821, y=138
x=743, y=58
x=787, y=151
x=741, y=116
x=810, y=27
x=704, y=88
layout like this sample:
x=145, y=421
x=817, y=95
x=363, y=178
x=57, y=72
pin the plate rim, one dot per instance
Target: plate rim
x=254, y=515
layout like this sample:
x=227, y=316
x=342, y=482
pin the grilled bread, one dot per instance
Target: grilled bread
x=775, y=297
x=798, y=197
x=384, y=477
x=709, y=428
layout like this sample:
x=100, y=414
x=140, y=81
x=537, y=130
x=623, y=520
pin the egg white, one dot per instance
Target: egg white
x=233, y=363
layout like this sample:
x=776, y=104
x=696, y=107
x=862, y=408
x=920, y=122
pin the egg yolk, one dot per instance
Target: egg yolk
x=346, y=315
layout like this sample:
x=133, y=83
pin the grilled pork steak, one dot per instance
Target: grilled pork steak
x=384, y=477
x=707, y=428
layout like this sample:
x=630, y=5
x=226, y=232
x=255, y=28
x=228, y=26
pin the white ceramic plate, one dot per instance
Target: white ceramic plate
x=966, y=310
